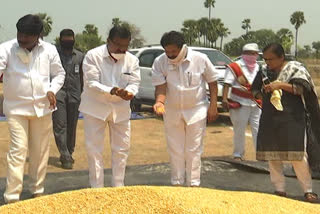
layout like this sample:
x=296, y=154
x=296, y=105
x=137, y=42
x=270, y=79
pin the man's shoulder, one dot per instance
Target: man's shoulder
x=97, y=50
x=196, y=55
x=131, y=57
x=9, y=44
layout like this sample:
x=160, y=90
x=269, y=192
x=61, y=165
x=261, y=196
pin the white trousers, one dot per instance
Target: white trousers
x=301, y=169
x=185, y=146
x=240, y=118
x=27, y=134
x=120, y=143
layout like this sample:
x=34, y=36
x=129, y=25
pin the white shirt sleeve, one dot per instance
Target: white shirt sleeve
x=91, y=75
x=57, y=73
x=3, y=59
x=229, y=77
x=210, y=73
x=158, y=77
x=134, y=80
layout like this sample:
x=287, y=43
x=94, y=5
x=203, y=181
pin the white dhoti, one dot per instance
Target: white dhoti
x=120, y=144
x=185, y=146
x=27, y=133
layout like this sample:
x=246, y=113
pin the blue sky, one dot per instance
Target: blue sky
x=156, y=17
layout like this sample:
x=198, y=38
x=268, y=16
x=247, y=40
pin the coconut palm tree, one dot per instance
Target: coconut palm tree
x=222, y=32
x=203, y=28
x=208, y=4
x=286, y=38
x=297, y=19
x=190, y=30
x=246, y=25
x=47, y=23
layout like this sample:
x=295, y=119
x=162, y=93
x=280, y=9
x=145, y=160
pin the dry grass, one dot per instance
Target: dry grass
x=143, y=199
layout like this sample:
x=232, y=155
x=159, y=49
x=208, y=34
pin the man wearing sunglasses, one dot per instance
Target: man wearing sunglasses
x=111, y=79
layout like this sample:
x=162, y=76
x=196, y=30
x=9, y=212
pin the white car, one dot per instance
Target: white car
x=146, y=57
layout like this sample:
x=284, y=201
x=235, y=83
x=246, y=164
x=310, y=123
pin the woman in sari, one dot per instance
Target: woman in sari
x=287, y=93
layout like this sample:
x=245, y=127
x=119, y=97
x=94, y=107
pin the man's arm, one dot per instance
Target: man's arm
x=225, y=93
x=213, y=111
x=91, y=75
x=3, y=59
x=160, y=95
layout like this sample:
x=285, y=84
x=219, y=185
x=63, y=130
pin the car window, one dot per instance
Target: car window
x=147, y=57
x=216, y=57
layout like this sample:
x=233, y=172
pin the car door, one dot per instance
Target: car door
x=146, y=59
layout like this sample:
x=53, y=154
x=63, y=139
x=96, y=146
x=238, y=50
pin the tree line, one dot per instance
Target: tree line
x=205, y=31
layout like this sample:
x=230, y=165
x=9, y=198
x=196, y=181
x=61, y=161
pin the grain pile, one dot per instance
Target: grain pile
x=148, y=199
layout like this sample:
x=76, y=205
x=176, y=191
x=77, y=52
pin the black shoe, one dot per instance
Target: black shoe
x=37, y=195
x=66, y=165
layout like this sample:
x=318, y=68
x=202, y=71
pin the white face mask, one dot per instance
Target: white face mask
x=180, y=57
x=118, y=56
x=24, y=55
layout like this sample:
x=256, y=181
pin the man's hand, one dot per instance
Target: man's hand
x=52, y=100
x=124, y=94
x=128, y=96
x=212, y=113
x=158, y=108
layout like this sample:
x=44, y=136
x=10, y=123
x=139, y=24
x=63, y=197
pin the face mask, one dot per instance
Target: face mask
x=118, y=56
x=182, y=54
x=250, y=61
x=68, y=44
x=24, y=55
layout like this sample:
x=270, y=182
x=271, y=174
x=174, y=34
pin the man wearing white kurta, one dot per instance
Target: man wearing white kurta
x=180, y=76
x=111, y=79
x=33, y=74
x=248, y=112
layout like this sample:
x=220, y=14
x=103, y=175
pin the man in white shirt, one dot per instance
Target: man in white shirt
x=111, y=79
x=32, y=75
x=239, y=76
x=180, y=76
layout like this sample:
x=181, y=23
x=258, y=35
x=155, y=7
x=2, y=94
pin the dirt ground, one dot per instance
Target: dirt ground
x=148, y=144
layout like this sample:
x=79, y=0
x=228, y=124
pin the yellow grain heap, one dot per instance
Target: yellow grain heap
x=167, y=200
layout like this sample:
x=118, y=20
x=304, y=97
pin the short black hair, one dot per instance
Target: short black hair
x=119, y=31
x=66, y=32
x=30, y=24
x=172, y=38
x=275, y=48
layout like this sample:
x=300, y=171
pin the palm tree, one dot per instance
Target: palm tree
x=116, y=22
x=47, y=23
x=208, y=4
x=203, y=28
x=286, y=38
x=222, y=32
x=190, y=30
x=297, y=19
x=213, y=29
x=246, y=25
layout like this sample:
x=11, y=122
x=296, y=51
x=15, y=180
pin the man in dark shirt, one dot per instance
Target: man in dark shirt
x=68, y=98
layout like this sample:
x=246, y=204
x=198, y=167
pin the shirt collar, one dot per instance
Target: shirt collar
x=189, y=55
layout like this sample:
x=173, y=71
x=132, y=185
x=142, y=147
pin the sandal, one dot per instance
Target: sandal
x=311, y=197
x=280, y=193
